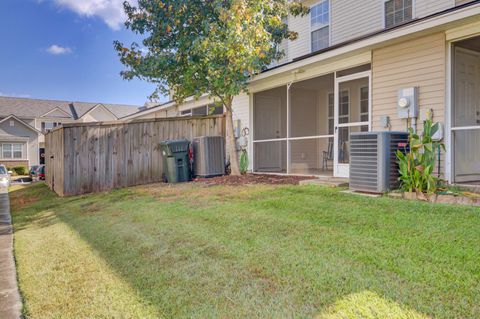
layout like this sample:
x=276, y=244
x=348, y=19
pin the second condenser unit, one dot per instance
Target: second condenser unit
x=208, y=156
x=373, y=160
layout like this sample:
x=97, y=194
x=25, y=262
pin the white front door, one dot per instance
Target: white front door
x=466, y=116
x=268, y=154
x=352, y=114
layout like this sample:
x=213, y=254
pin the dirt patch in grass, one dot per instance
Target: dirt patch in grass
x=19, y=200
x=255, y=179
x=199, y=194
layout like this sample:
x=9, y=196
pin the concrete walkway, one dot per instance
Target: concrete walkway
x=10, y=302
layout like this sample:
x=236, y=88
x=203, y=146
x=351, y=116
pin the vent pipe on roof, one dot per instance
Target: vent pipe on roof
x=73, y=111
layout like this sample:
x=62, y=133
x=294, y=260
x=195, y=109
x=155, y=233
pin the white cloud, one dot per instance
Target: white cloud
x=110, y=11
x=15, y=95
x=57, y=50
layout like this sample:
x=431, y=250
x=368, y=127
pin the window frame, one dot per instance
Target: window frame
x=329, y=25
x=384, y=14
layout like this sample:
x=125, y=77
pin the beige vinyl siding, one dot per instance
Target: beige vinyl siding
x=420, y=62
x=352, y=19
x=426, y=7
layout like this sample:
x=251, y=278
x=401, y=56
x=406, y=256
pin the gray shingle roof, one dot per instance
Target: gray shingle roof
x=31, y=108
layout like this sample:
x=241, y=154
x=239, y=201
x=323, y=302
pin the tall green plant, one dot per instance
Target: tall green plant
x=417, y=164
x=243, y=162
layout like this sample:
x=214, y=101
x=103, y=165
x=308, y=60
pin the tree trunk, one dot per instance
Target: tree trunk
x=231, y=144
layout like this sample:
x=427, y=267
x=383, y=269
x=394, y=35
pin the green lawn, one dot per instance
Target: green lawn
x=192, y=251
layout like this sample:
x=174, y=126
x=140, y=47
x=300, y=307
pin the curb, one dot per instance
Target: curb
x=10, y=302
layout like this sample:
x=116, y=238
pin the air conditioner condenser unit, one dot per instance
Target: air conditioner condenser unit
x=373, y=160
x=208, y=156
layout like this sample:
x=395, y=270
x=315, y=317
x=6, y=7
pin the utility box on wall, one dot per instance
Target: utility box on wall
x=407, y=103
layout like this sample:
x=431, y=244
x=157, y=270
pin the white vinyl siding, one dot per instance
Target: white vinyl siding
x=301, y=45
x=424, y=8
x=352, y=19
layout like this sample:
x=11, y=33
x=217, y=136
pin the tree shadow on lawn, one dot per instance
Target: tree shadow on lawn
x=291, y=252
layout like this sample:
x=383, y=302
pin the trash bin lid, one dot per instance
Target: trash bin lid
x=176, y=146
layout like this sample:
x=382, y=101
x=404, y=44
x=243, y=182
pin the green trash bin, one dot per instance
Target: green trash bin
x=176, y=162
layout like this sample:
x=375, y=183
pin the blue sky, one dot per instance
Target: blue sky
x=63, y=49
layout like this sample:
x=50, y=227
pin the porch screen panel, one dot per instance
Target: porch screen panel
x=467, y=155
x=311, y=156
x=309, y=107
x=270, y=157
x=466, y=111
x=353, y=117
x=270, y=131
x=270, y=114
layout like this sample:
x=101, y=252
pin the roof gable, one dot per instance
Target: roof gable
x=35, y=108
x=13, y=117
x=98, y=108
x=57, y=112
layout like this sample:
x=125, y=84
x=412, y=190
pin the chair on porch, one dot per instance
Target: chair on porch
x=327, y=155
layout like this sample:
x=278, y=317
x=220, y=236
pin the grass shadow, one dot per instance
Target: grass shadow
x=274, y=252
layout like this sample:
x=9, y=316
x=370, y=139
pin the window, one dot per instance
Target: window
x=344, y=107
x=12, y=123
x=344, y=115
x=331, y=113
x=344, y=110
x=17, y=151
x=200, y=111
x=320, y=25
x=211, y=109
x=46, y=126
x=10, y=150
x=364, y=107
x=186, y=112
x=7, y=150
x=398, y=12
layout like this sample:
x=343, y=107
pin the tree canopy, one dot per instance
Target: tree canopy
x=196, y=47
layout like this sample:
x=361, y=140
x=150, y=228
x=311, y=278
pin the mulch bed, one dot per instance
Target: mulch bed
x=253, y=179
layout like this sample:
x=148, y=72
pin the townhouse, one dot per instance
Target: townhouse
x=353, y=68
x=24, y=122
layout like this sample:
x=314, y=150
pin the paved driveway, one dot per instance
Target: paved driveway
x=10, y=304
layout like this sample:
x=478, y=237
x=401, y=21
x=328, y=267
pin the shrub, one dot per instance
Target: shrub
x=20, y=170
x=416, y=165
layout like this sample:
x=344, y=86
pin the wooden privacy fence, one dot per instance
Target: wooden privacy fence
x=93, y=157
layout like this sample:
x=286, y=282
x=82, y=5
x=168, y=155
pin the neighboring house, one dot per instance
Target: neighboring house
x=23, y=123
x=343, y=75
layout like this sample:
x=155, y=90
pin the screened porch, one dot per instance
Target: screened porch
x=296, y=129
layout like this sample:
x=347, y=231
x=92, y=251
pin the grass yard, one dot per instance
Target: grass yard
x=192, y=251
